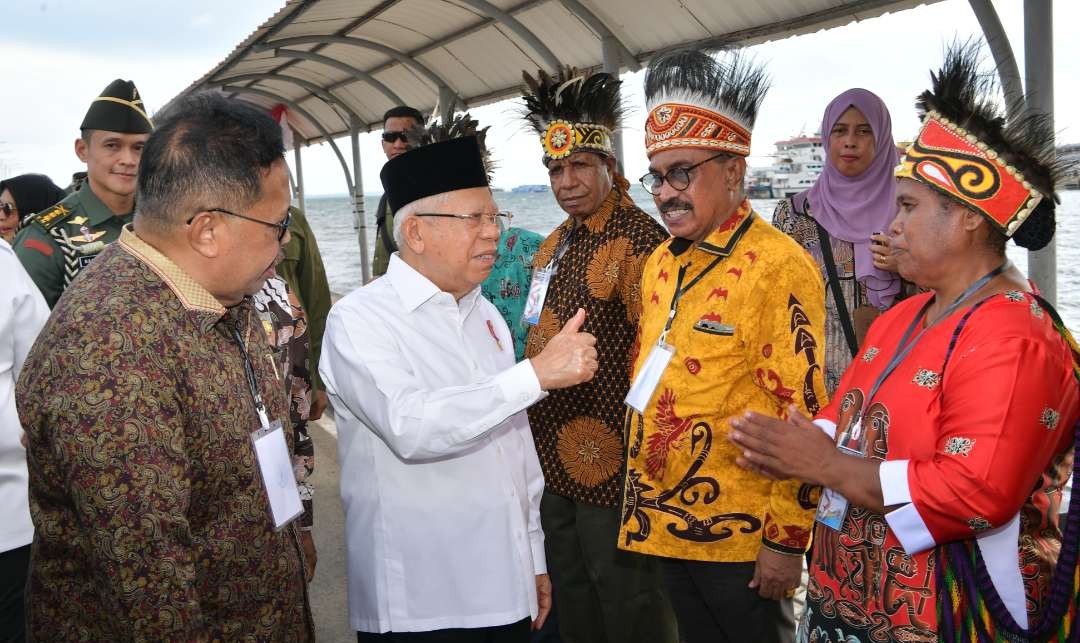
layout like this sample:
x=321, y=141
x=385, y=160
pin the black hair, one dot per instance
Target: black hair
x=207, y=151
x=403, y=111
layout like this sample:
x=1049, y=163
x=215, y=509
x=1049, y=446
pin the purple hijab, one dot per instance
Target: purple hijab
x=854, y=208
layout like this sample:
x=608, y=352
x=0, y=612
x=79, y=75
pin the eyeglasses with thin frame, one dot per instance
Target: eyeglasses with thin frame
x=282, y=226
x=8, y=209
x=390, y=137
x=474, y=220
x=678, y=178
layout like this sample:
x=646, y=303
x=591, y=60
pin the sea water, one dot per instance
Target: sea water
x=332, y=221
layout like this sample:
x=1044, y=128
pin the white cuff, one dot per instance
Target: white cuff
x=519, y=385
x=894, y=482
x=827, y=426
x=910, y=529
x=536, y=542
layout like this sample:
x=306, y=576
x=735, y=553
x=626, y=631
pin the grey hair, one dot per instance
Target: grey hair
x=431, y=203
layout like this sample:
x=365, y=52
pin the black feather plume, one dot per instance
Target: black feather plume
x=572, y=96
x=733, y=85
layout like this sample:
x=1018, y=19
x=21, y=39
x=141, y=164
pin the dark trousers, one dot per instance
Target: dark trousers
x=714, y=604
x=602, y=594
x=512, y=633
x=14, y=564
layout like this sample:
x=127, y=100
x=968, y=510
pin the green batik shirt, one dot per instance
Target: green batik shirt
x=59, y=242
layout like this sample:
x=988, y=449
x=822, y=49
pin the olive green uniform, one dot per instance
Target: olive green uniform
x=57, y=243
x=302, y=268
x=384, y=239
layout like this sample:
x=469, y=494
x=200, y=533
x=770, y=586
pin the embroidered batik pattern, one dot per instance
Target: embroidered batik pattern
x=870, y=353
x=1049, y=418
x=926, y=378
x=578, y=430
x=959, y=446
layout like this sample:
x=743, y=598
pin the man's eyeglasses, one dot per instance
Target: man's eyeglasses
x=475, y=220
x=282, y=227
x=390, y=137
x=678, y=178
x=8, y=209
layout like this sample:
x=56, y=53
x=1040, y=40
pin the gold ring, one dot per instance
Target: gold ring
x=789, y=594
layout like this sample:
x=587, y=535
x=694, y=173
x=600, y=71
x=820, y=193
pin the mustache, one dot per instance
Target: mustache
x=674, y=204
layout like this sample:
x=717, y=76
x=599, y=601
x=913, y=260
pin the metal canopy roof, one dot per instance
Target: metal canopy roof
x=333, y=61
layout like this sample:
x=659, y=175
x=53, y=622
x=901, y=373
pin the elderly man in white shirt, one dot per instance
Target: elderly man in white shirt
x=439, y=476
x=22, y=314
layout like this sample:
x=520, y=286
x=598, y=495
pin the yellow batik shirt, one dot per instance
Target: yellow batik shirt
x=748, y=336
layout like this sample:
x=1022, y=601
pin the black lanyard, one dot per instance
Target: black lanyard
x=560, y=250
x=680, y=291
x=249, y=372
x=904, y=347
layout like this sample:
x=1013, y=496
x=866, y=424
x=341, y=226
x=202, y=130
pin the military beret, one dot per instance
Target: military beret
x=118, y=109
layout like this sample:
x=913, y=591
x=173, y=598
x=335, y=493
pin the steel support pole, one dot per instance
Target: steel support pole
x=298, y=162
x=1039, y=81
x=447, y=103
x=359, y=220
x=612, y=59
x=1001, y=50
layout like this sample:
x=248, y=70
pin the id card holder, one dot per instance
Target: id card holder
x=641, y=391
x=534, y=303
x=275, y=465
x=831, y=509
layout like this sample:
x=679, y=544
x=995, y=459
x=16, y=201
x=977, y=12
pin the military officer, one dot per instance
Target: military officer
x=57, y=243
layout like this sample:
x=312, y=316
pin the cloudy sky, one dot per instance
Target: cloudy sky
x=58, y=54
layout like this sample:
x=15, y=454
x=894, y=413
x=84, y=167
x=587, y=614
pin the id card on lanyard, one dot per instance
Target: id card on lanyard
x=272, y=453
x=541, y=280
x=648, y=377
x=833, y=506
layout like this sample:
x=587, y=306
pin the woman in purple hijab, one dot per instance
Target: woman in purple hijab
x=842, y=216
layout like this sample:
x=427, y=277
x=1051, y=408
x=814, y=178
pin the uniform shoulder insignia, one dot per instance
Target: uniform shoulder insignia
x=50, y=218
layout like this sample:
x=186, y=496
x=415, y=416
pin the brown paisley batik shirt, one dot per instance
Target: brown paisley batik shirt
x=578, y=431
x=151, y=518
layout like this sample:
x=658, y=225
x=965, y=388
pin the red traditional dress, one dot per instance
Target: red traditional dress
x=975, y=428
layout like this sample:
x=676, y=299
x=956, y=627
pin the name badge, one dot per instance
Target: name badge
x=831, y=509
x=534, y=303
x=275, y=465
x=641, y=391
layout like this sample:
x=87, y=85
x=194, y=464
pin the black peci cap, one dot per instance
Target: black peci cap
x=118, y=109
x=456, y=164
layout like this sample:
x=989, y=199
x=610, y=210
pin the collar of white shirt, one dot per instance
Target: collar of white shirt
x=414, y=289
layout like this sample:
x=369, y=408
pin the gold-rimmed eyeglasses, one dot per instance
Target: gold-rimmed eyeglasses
x=476, y=219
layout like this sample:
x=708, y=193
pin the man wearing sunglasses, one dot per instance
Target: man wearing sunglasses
x=439, y=476
x=397, y=121
x=732, y=321
x=59, y=242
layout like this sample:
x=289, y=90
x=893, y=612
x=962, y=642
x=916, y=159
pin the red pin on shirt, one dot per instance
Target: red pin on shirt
x=494, y=335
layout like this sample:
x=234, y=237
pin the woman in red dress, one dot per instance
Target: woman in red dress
x=943, y=453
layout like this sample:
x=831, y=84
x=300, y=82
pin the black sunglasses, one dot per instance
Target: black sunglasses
x=8, y=209
x=282, y=227
x=390, y=137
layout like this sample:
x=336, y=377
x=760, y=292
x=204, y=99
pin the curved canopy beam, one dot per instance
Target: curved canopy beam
x=348, y=69
x=397, y=55
x=233, y=89
x=512, y=23
x=327, y=97
x=596, y=24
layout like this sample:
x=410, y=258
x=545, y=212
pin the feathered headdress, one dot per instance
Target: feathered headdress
x=696, y=100
x=572, y=111
x=444, y=157
x=1002, y=168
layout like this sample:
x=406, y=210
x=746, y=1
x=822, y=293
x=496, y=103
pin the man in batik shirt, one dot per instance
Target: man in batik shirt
x=593, y=261
x=140, y=402
x=732, y=321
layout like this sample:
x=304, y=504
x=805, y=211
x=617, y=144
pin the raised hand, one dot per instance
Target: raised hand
x=569, y=357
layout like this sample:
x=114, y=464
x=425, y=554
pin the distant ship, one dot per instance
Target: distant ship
x=797, y=164
x=534, y=187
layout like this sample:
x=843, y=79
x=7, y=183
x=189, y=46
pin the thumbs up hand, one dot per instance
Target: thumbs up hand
x=569, y=357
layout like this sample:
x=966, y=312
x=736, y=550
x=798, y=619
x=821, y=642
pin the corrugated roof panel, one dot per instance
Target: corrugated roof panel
x=481, y=60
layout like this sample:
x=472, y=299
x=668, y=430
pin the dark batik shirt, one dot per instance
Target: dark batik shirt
x=578, y=431
x=151, y=518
